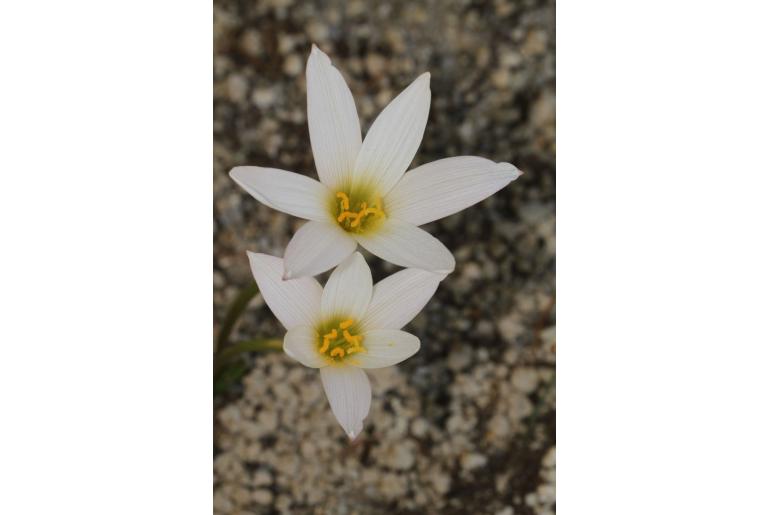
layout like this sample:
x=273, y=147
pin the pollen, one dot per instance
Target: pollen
x=357, y=211
x=338, y=339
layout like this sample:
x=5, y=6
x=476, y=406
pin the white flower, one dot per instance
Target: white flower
x=347, y=326
x=364, y=197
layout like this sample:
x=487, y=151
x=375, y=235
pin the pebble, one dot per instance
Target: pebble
x=237, y=88
x=263, y=497
x=293, y=65
x=472, y=461
x=510, y=327
x=525, y=379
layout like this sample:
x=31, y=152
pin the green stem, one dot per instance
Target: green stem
x=233, y=313
x=235, y=350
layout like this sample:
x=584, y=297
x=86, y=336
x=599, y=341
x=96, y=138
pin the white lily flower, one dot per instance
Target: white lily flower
x=364, y=197
x=347, y=326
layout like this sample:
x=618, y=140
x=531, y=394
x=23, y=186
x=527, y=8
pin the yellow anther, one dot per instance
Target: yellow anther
x=352, y=340
x=345, y=324
x=331, y=335
x=345, y=201
x=337, y=351
x=346, y=214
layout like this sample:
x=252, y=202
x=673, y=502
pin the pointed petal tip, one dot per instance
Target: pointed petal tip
x=318, y=54
x=235, y=172
x=508, y=167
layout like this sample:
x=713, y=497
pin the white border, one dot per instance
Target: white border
x=106, y=155
x=663, y=252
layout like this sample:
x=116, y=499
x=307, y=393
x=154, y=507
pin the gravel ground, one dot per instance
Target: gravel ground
x=468, y=424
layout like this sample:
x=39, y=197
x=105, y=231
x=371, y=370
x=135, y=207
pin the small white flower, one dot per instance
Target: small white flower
x=364, y=197
x=347, y=326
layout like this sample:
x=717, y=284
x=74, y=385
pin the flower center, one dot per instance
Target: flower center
x=357, y=211
x=339, y=340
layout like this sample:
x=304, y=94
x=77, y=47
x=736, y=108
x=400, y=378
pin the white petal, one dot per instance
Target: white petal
x=395, y=136
x=315, y=248
x=386, y=347
x=335, y=133
x=444, y=187
x=398, y=298
x=406, y=245
x=289, y=192
x=349, y=289
x=294, y=303
x=350, y=396
x=301, y=343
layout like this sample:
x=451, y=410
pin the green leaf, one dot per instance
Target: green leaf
x=234, y=312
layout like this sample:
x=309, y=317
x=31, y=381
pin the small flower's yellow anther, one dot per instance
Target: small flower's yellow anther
x=352, y=340
x=328, y=337
x=337, y=343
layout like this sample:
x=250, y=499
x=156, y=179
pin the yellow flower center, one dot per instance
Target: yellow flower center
x=339, y=340
x=357, y=211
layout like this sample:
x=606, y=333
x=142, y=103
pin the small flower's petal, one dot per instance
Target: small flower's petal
x=349, y=289
x=350, y=396
x=394, y=137
x=335, y=133
x=315, y=248
x=301, y=343
x=406, y=245
x=386, y=347
x=285, y=191
x=398, y=298
x=444, y=187
x=294, y=303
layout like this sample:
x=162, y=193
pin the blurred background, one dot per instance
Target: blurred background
x=468, y=424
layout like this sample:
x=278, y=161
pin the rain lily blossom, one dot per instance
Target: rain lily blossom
x=364, y=195
x=346, y=326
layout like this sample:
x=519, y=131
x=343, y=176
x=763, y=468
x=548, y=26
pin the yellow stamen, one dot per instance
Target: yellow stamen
x=352, y=340
x=344, y=200
x=346, y=214
x=337, y=352
x=327, y=340
x=345, y=324
x=353, y=219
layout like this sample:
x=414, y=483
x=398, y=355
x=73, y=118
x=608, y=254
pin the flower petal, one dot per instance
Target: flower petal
x=444, y=187
x=349, y=289
x=315, y=248
x=395, y=136
x=350, y=396
x=406, y=245
x=386, y=347
x=335, y=133
x=301, y=343
x=294, y=303
x=289, y=192
x=398, y=298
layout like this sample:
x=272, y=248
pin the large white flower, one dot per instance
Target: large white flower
x=347, y=326
x=364, y=196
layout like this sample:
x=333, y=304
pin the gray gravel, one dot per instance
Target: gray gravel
x=468, y=424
